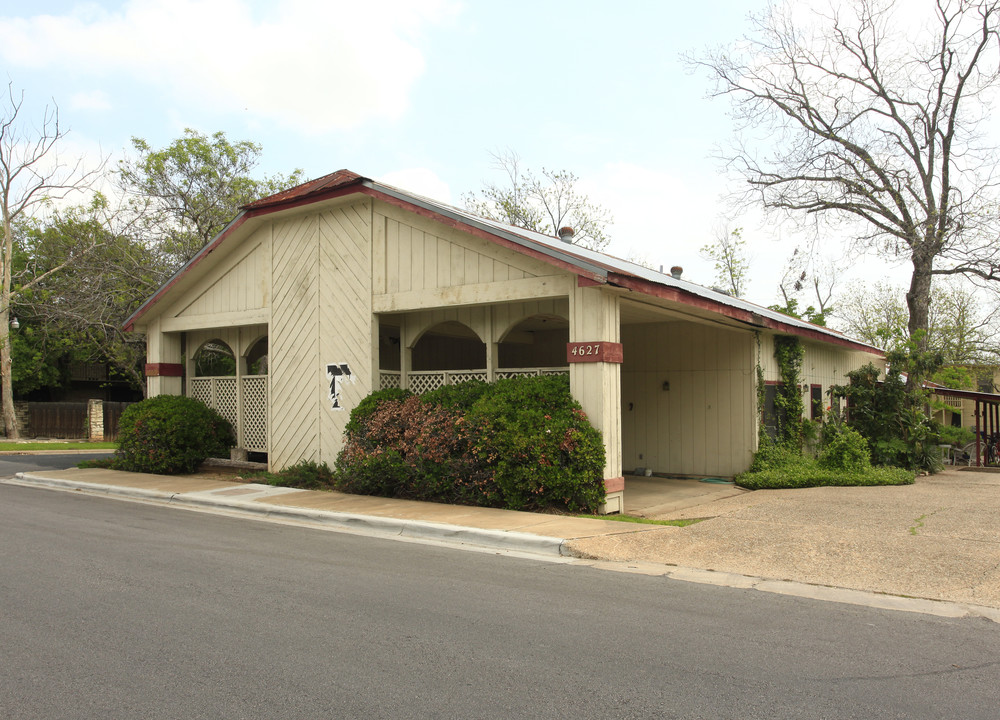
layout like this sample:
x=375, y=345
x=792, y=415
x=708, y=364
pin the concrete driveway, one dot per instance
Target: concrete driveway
x=937, y=539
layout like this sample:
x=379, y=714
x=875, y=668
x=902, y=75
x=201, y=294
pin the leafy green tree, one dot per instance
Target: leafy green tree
x=191, y=189
x=962, y=326
x=542, y=203
x=732, y=268
x=83, y=305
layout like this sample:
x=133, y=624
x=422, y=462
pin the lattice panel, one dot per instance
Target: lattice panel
x=225, y=398
x=420, y=384
x=388, y=380
x=556, y=372
x=505, y=374
x=255, y=413
x=201, y=389
x=460, y=377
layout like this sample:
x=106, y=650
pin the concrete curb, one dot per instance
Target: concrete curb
x=508, y=540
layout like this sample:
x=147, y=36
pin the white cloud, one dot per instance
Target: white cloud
x=420, y=181
x=313, y=65
x=93, y=100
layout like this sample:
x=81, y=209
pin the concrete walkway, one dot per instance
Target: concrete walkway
x=937, y=540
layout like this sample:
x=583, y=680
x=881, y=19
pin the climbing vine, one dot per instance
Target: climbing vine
x=789, y=354
x=762, y=436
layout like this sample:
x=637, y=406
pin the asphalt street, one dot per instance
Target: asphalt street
x=120, y=609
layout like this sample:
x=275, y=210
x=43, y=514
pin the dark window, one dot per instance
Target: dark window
x=771, y=417
x=816, y=402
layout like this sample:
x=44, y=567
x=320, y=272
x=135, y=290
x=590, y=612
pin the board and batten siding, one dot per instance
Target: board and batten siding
x=411, y=253
x=704, y=423
x=239, y=285
x=321, y=314
x=823, y=365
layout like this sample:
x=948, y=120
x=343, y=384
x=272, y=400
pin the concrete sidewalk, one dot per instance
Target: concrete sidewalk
x=482, y=527
x=907, y=548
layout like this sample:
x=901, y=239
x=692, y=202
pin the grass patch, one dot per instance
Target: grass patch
x=53, y=446
x=644, y=521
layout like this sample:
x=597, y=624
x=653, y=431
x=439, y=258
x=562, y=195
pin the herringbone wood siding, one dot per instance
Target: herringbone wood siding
x=294, y=342
x=345, y=315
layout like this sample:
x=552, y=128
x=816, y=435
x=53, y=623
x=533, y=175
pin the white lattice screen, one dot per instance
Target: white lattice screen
x=255, y=413
x=424, y=381
x=221, y=394
x=201, y=389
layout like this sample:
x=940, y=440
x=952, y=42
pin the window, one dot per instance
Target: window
x=816, y=402
x=771, y=417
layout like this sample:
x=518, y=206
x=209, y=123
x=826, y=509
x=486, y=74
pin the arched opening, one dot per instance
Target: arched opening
x=214, y=359
x=449, y=346
x=257, y=358
x=538, y=341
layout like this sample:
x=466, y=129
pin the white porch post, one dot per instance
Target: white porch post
x=595, y=377
x=164, y=364
x=405, y=355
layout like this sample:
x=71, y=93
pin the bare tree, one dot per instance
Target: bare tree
x=849, y=118
x=31, y=175
x=543, y=204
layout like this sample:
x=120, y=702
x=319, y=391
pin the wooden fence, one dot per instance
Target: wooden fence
x=69, y=420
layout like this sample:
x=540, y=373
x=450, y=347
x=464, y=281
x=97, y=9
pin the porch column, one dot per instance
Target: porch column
x=492, y=349
x=405, y=354
x=594, y=356
x=164, y=364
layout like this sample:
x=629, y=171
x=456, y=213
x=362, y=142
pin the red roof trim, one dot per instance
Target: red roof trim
x=678, y=295
x=311, y=191
x=196, y=260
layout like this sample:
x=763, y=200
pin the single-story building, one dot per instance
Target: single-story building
x=315, y=296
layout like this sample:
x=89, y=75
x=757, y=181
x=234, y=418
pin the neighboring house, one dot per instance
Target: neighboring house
x=314, y=297
x=961, y=407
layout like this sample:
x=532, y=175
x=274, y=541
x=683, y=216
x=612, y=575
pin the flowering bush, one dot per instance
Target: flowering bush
x=170, y=434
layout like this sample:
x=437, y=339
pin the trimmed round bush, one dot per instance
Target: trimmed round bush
x=170, y=434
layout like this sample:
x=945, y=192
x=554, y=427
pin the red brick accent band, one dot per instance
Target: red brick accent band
x=598, y=351
x=164, y=370
x=612, y=485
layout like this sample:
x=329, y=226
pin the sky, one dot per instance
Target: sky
x=418, y=94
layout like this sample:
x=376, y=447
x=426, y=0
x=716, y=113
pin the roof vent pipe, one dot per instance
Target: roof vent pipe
x=675, y=272
x=566, y=234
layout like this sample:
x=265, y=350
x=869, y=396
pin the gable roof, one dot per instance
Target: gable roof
x=591, y=266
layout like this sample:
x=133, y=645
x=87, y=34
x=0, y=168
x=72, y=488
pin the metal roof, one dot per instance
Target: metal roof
x=597, y=266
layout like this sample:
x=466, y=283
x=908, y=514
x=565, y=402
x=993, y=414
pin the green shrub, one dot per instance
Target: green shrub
x=460, y=396
x=811, y=474
x=522, y=443
x=955, y=436
x=306, y=474
x=539, y=444
x=170, y=434
x=846, y=450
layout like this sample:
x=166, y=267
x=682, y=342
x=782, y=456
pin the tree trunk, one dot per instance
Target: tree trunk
x=918, y=299
x=6, y=383
x=7, y=386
